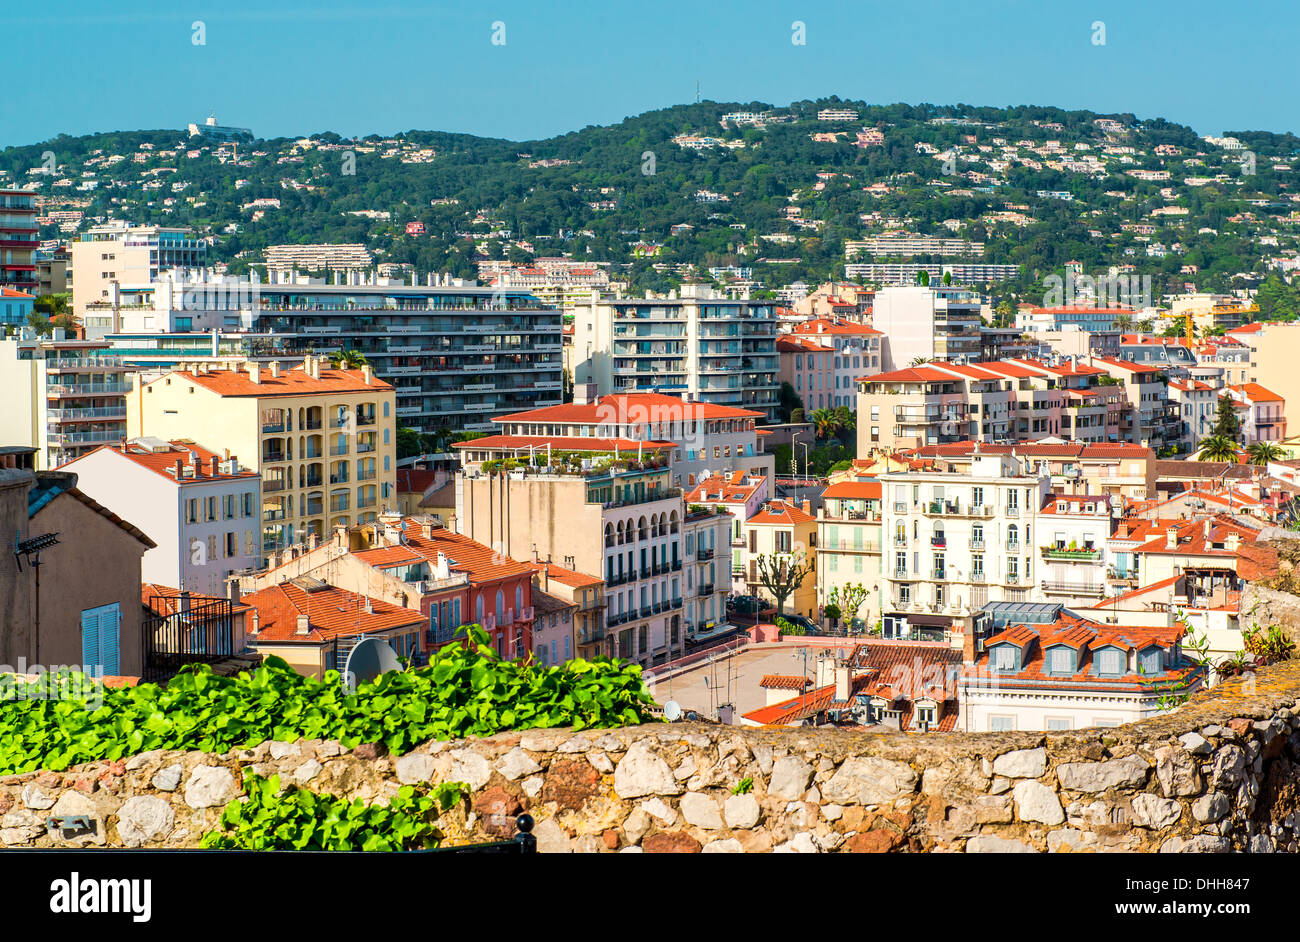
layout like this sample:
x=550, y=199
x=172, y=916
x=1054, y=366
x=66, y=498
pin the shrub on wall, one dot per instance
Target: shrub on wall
x=466, y=690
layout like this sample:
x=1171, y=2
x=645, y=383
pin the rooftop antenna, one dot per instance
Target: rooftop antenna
x=697, y=91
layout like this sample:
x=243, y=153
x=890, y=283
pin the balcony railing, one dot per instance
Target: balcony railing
x=1073, y=588
x=1061, y=552
x=977, y=545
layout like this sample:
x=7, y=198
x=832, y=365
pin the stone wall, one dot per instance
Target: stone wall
x=1221, y=773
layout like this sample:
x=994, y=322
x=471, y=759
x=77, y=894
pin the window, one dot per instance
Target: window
x=1060, y=660
x=1058, y=723
x=1001, y=724
x=1110, y=662
x=101, y=636
x=1004, y=657
x=1149, y=661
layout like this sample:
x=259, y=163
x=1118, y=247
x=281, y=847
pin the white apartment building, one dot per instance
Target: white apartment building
x=924, y=323
x=716, y=348
x=62, y=397
x=202, y=510
x=1073, y=530
x=127, y=254
x=706, y=548
x=953, y=542
x=318, y=257
x=903, y=245
x=859, y=351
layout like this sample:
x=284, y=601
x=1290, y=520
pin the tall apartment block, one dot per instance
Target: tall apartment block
x=18, y=240
x=455, y=355
x=126, y=254
x=323, y=440
x=928, y=324
x=63, y=397
x=700, y=343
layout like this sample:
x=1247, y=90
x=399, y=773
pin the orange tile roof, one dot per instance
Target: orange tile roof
x=294, y=382
x=165, y=599
x=784, y=682
x=569, y=577
x=634, y=408
x=1256, y=393
x=415, y=480
x=782, y=511
x=561, y=443
x=331, y=612
x=164, y=463
x=728, y=490
x=854, y=490
x=463, y=554
x=787, y=344
x=826, y=325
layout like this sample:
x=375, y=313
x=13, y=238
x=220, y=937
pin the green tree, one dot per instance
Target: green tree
x=348, y=359
x=408, y=443
x=782, y=574
x=1227, y=424
x=1217, y=448
x=1261, y=453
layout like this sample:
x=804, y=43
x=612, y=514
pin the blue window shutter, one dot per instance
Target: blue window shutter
x=110, y=638
x=89, y=639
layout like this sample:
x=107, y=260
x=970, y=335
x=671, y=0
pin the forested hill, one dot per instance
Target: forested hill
x=1040, y=186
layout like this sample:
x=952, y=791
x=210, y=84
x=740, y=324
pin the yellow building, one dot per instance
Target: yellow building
x=848, y=544
x=787, y=532
x=323, y=440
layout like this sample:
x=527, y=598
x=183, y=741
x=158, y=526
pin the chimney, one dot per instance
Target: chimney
x=807, y=506
x=843, y=682
x=426, y=529
x=179, y=468
x=341, y=537
x=257, y=623
x=1206, y=529
x=304, y=625
x=312, y=540
x=968, y=646
x=232, y=590
x=1232, y=542
x=1171, y=538
x=275, y=368
x=367, y=374
x=212, y=465
x=254, y=373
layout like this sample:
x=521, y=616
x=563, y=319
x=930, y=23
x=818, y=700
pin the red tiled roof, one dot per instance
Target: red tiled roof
x=784, y=682
x=463, y=554
x=569, y=577
x=415, y=480
x=854, y=490
x=294, y=382
x=332, y=613
x=163, y=463
x=165, y=599
x=782, y=511
x=1256, y=393
x=787, y=344
x=561, y=443
x=623, y=408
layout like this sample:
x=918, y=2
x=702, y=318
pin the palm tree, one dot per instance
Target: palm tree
x=1123, y=322
x=348, y=360
x=1217, y=448
x=1261, y=453
x=824, y=422
x=919, y=361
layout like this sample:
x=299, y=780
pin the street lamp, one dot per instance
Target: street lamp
x=804, y=446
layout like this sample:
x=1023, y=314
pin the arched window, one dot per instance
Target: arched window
x=519, y=599
x=478, y=609
x=501, y=607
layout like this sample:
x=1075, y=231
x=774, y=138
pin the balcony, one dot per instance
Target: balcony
x=1074, y=588
x=704, y=589
x=92, y=414
x=977, y=577
x=704, y=553
x=86, y=438
x=87, y=389
x=977, y=545
x=939, y=541
x=1087, y=554
x=900, y=573
x=938, y=574
x=1013, y=546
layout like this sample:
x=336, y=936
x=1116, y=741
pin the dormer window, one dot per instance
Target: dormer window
x=1060, y=660
x=1110, y=662
x=1060, y=506
x=1006, y=657
x=1149, y=661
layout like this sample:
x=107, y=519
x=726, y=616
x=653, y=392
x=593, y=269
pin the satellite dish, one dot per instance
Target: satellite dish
x=672, y=711
x=370, y=658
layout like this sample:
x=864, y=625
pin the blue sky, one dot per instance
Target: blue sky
x=356, y=67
